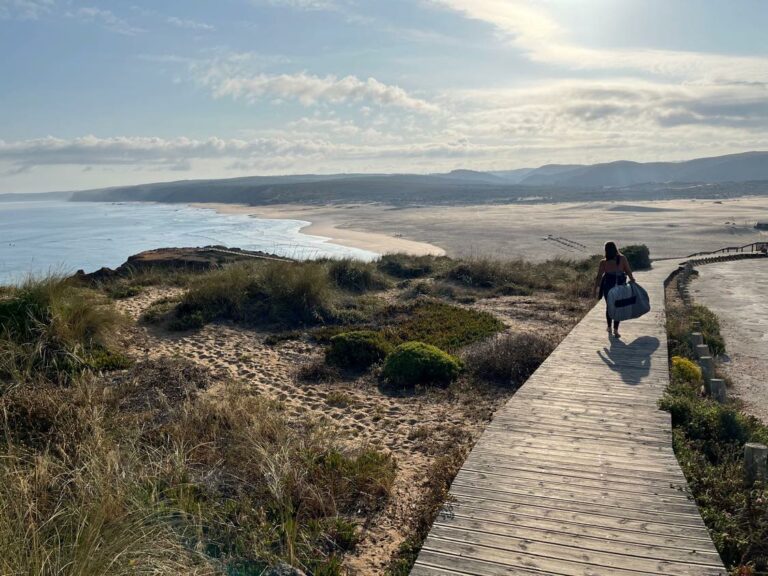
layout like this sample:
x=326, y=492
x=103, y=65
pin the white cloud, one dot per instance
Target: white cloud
x=107, y=19
x=24, y=9
x=301, y=4
x=189, y=24
x=140, y=151
x=309, y=90
x=539, y=35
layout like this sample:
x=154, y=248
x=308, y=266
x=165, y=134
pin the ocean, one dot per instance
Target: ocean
x=54, y=236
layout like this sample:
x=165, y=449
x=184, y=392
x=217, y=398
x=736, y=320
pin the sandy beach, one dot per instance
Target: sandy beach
x=331, y=224
x=671, y=228
x=736, y=291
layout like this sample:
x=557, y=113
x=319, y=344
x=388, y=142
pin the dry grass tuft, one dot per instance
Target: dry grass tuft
x=508, y=359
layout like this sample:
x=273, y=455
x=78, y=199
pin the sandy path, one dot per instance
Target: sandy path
x=737, y=292
x=416, y=429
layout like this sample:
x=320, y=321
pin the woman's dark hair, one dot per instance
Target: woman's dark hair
x=611, y=251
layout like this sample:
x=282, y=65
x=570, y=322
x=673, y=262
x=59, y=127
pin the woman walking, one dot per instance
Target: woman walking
x=613, y=271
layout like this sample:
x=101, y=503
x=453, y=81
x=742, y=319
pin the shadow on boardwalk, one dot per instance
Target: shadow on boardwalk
x=631, y=361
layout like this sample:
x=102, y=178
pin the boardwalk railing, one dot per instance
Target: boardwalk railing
x=576, y=474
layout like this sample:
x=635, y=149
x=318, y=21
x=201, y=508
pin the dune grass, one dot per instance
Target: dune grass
x=296, y=294
x=520, y=277
x=96, y=480
x=356, y=276
x=284, y=293
x=508, y=359
x=52, y=329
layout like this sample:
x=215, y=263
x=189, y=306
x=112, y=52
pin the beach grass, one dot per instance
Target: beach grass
x=52, y=329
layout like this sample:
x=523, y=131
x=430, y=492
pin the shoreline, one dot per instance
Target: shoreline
x=323, y=224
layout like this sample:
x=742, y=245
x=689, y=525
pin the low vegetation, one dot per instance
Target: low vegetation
x=440, y=324
x=415, y=363
x=681, y=323
x=161, y=466
x=405, y=266
x=508, y=359
x=515, y=277
x=439, y=479
x=638, y=256
x=356, y=276
x=120, y=476
x=709, y=442
x=358, y=349
x=278, y=293
x=53, y=330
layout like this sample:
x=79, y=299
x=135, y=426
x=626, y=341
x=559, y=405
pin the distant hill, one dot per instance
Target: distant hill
x=746, y=167
x=719, y=177
x=15, y=197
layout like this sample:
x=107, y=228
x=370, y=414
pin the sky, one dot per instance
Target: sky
x=96, y=94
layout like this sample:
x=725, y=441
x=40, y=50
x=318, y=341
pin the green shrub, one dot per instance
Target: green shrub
x=638, y=256
x=355, y=276
x=445, y=326
x=358, y=349
x=683, y=370
x=415, y=363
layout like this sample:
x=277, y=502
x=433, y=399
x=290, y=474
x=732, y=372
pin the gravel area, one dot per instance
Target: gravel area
x=737, y=292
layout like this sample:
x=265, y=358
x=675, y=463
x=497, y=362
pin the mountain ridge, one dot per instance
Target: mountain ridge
x=719, y=176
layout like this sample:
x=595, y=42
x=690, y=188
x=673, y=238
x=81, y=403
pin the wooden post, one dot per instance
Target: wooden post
x=702, y=350
x=697, y=339
x=717, y=390
x=755, y=462
x=707, y=364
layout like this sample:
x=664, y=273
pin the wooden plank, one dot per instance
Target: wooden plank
x=556, y=498
x=584, y=540
x=556, y=481
x=546, y=463
x=517, y=470
x=551, y=560
x=652, y=525
x=644, y=533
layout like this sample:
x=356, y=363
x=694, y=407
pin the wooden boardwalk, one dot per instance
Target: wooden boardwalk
x=576, y=473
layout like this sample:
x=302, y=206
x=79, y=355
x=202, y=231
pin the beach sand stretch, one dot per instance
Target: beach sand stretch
x=737, y=292
x=327, y=224
x=671, y=228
